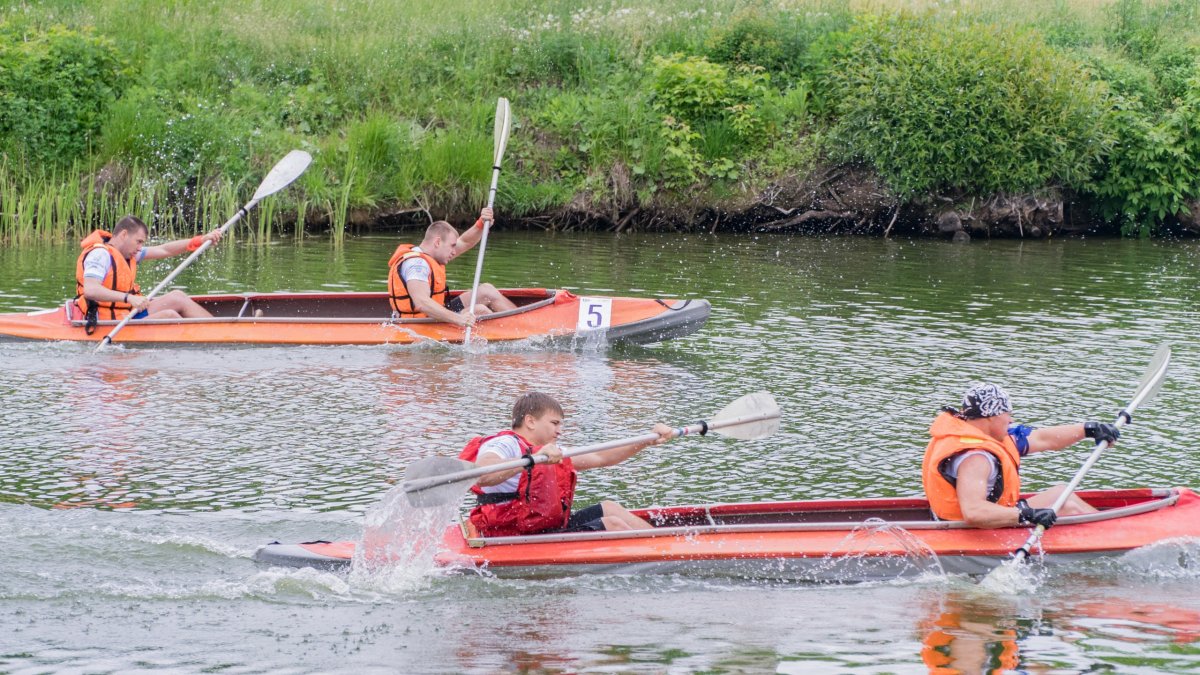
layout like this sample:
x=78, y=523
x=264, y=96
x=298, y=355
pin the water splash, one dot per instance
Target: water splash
x=1168, y=559
x=399, y=545
x=856, y=557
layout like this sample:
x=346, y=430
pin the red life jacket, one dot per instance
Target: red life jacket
x=541, y=503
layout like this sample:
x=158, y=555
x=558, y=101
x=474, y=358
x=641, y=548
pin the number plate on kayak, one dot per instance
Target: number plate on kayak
x=594, y=314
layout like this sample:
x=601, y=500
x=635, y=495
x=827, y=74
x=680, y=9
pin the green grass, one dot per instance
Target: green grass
x=395, y=101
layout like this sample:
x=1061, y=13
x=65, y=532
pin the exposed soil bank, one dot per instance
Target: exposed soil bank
x=838, y=200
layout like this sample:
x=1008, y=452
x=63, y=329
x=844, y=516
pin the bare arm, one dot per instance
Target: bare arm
x=472, y=236
x=95, y=290
x=972, y=489
x=174, y=248
x=1055, y=438
x=614, y=456
x=421, y=300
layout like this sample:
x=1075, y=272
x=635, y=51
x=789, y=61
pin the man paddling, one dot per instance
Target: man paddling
x=106, y=271
x=417, y=276
x=970, y=470
x=536, y=500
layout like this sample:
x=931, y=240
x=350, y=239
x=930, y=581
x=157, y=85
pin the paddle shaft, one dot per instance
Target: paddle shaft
x=487, y=225
x=107, y=339
x=530, y=460
x=1123, y=419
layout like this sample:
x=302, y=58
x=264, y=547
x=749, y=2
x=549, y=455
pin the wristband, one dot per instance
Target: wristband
x=195, y=243
x=478, y=224
x=126, y=301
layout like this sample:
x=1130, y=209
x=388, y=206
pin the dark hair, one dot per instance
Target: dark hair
x=130, y=223
x=534, y=403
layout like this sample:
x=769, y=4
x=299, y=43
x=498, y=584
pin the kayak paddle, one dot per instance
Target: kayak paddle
x=503, y=123
x=1152, y=379
x=281, y=175
x=435, y=481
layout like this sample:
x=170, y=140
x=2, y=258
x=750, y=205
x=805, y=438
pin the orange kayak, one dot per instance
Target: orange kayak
x=865, y=538
x=366, y=318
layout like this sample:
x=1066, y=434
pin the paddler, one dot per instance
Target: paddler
x=106, y=275
x=971, y=465
x=537, y=500
x=417, y=277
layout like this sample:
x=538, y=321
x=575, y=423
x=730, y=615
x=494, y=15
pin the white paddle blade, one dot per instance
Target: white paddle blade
x=503, y=124
x=283, y=173
x=436, y=495
x=1153, y=378
x=762, y=411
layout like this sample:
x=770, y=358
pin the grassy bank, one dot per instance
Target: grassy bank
x=174, y=109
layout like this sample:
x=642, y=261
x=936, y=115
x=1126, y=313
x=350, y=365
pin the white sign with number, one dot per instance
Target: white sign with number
x=594, y=314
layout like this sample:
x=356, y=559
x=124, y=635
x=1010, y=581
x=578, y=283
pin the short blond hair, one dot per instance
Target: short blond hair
x=440, y=228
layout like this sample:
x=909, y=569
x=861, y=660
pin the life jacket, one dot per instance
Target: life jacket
x=398, y=291
x=952, y=436
x=120, y=278
x=541, y=503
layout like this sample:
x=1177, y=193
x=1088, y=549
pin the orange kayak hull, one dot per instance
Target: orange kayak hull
x=365, y=319
x=792, y=539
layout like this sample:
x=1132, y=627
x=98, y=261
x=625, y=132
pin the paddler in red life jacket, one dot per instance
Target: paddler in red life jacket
x=537, y=500
x=971, y=465
x=417, y=277
x=105, y=275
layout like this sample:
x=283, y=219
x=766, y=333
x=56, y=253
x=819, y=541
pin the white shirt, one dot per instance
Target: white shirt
x=97, y=263
x=957, y=460
x=505, y=447
x=415, y=268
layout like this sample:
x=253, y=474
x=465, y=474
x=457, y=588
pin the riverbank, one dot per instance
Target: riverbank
x=990, y=118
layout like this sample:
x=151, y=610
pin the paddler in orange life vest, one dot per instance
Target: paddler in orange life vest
x=971, y=465
x=537, y=500
x=417, y=277
x=105, y=275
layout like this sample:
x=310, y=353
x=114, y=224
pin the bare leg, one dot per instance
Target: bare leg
x=488, y=295
x=617, y=517
x=180, y=303
x=1074, y=506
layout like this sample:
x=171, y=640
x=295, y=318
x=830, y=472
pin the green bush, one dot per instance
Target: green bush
x=957, y=106
x=55, y=87
x=1153, y=169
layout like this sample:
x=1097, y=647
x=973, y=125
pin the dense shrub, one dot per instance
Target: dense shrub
x=943, y=105
x=55, y=87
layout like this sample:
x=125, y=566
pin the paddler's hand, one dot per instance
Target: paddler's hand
x=665, y=433
x=465, y=319
x=552, y=452
x=214, y=236
x=486, y=216
x=138, y=303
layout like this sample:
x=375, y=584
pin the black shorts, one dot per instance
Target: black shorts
x=455, y=304
x=589, y=519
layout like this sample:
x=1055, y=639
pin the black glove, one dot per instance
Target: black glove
x=1101, y=431
x=1044, y=517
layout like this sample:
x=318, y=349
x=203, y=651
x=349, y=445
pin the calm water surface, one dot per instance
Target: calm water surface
x=135, y=485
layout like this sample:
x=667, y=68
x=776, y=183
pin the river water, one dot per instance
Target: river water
x=135, y=485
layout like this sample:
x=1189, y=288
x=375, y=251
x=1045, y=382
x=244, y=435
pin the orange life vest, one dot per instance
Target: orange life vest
x=121, y=278
x=541, y=503
x=952, y=436
x=398, y=295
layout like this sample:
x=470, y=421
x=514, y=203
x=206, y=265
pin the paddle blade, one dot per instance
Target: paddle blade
x=760, y=412
x=503, y=124
x=283, y=173
x=436, y=495
x=1153, y=378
